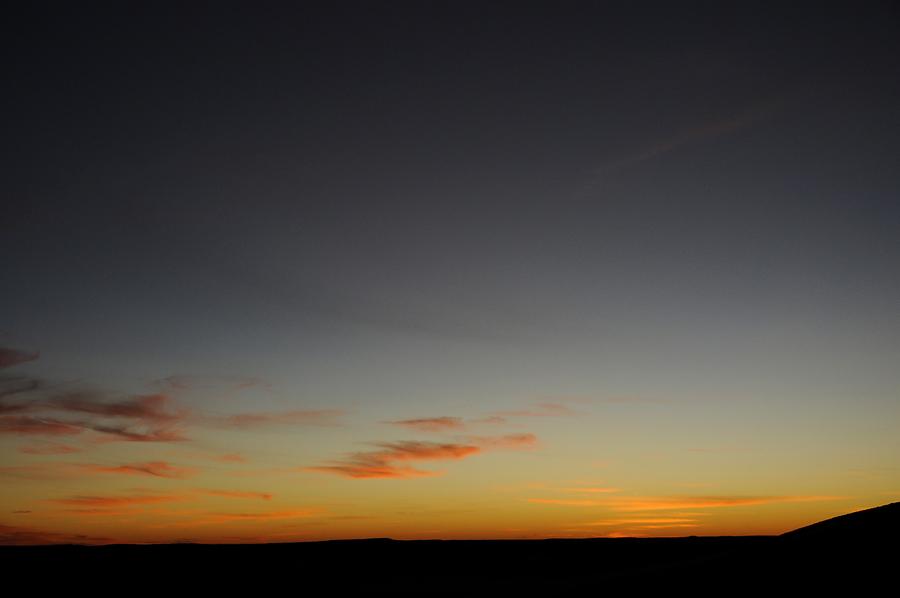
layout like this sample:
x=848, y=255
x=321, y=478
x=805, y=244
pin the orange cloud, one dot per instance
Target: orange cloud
x=678, y=503
x=593, y=490
x=569, y=502
x=510, y=441
x=102, y=512
x=49, y=449
x=114, y=501
x=705, y=502
x=382, y=463
x=39, y=471
x=365, y=470
x=159, y=469
x=410, y=450
x=644, y=521
x=431, y=424
x=237, y=494
x=231, y=458
x=266, y=516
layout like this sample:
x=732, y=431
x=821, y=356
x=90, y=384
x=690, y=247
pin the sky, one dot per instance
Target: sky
x=447, y=270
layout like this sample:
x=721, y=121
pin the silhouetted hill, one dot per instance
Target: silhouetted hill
x=844, y=552
x=870, y=525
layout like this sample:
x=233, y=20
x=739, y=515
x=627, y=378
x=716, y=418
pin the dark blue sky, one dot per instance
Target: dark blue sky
x=342, y=197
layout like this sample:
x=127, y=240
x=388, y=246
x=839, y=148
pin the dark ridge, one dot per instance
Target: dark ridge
x=846, y=552
x=866, y=525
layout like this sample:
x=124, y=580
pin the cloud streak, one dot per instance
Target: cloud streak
x=50, y=448
x=543, y=409
x=431, y=424
x=10, y=357
x=689, y=136
x=236, y=494
x=509, y=441
x=27, y=536
x=674, y=503
x=27, y=425
x=246, y=421
x=158, y=469
x=140, y=418
x=391, y=460
x=114, y=501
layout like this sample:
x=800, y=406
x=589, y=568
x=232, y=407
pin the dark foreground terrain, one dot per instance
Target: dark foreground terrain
x=855, y=552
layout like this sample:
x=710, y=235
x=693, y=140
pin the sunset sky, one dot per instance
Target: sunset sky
x=447, y=270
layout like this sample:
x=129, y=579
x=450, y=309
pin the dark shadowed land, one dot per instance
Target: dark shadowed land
x=854, y=551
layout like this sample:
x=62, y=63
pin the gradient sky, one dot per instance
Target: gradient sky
x=447, y=270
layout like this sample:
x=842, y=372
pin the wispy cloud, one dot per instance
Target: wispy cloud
x=644, y=521
x=319, y=417
x=509, y=441
x=185, y=382
x=40, y=426
x=389, y=461
x=114, y=501
x=10, y=357
x=706, y=502
x=151, y=408
x=141, y=418
x=674, y=503
x=13, y=388
x=49, y=448
x=542, y=409
x=40, y=471
x=592, y=490
x=266, y=515
x=689, y=136
x=159, y=469
x=231, y=458
x=431, y=424
x=568, y=502
x=135, y=418
x=20, y=536
x=236, y=494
